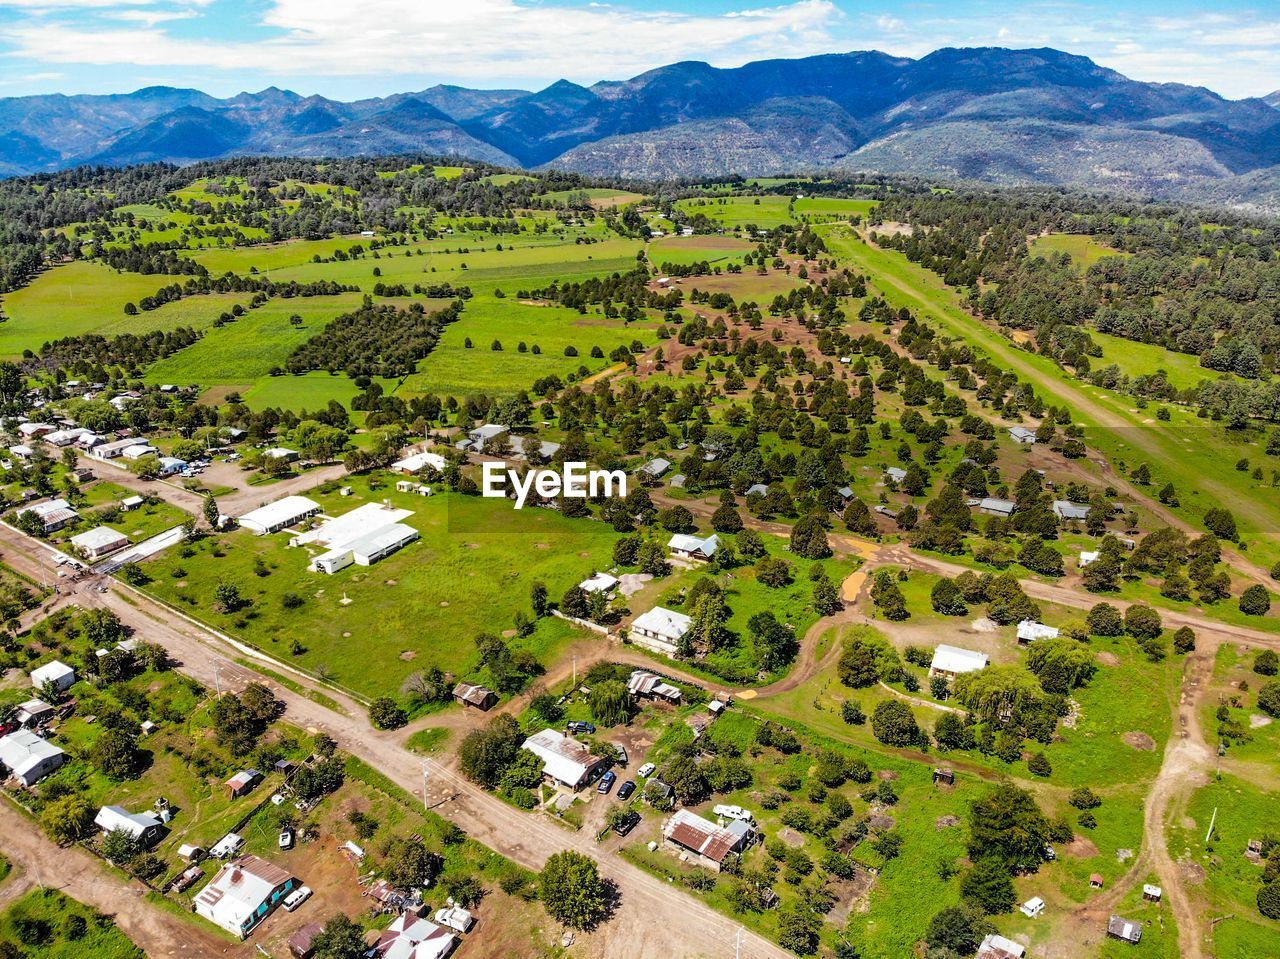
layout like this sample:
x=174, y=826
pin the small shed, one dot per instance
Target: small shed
x=243, y=782
x=302, y=942
x=1095, y=881
x=944, y=775
x=477, y=697
x=1126, y=930
x=1151, y=893
x=1032, y=907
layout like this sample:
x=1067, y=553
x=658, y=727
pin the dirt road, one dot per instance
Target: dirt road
x=79, y=875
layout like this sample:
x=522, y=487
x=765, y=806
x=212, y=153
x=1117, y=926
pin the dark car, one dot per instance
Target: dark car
x=626, y=789
x=581, y=727
x=627, y=824
x=607, y=781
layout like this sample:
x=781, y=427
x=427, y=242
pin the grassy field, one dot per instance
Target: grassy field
x=684, y=250
x=57, y=915
x=601, y=197
x=421, y=607
x=1136, y=359
x=454, y=369
x=764, y=212
x=1083, y=249
x=833, y=206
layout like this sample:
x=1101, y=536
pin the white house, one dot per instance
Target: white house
x=694, y=547
x=1070, y=511
x=109, y=451
x=280, y=453
x=60, y=674
x=951, y=661
x=28, y=757
x=409, y=937
x=367, y=549
x=143, y=828
x=243, y=893
x=279, y=515
x=21, y=451
x=998, y=947
x=896, y=473
x=138, y=450
x=53, y=514
x=655, y=468
x=1032, y=907
x=362, y=536
x=660, y=629
x=34, y=712
x=565, y=761
x=1022, y=435
x=1088, y=556
x=171, y=464
x=996, y=507
x=414, y=463
x=32, y=430
x=482, y=436
x=99, y=541
x=1029, y=631
x=599, y=583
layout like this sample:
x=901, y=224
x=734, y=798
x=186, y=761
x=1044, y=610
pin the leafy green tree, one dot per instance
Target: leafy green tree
x=385, y=713
x=116, y=753
x=572, y=891
x=894, y=724
x=946, y=598
x=799, y=928
x=484, y=754
x=1142, y=622
x=341, y=938
x=988, y=886
x=67, y=818
x=1266, y=663
x=1105, y=620
x=1255, y=600
x=1007, y=825
x=610, y=703
x=1269, y=698
x=809, y=539
x=960, y=929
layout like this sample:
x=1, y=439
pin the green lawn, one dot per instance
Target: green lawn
x=72, y=929
x=1083, y=249
x=765, y=212
x=421, y=607
x=686, y=250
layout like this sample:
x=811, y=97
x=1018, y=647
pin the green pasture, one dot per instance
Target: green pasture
x=1083, y=249
x=765, y=212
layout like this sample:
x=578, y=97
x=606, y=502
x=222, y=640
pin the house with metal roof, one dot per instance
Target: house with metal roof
x=951, y=661
x=1029, y=631
x=243, y=893
x=1070, y=512
x=896, y=474
x=648, y=686
x=410, y=937
x=1126, y=930
x=59, y=673
x=53, y=514
x=477, y=697
x=416, y=461
x=279, y=515
x=99, y=541
x=28, y=757
x=996, y=507
x=655, y=468
x=704, y=842
x=660, y=629
x=1022, y=435
x=565, y=761
x=694, y=547
x=599, y=583
x=998, y=947
x=144, y=828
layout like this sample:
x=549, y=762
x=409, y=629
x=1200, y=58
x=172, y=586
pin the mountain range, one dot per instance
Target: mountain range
x=989, y=114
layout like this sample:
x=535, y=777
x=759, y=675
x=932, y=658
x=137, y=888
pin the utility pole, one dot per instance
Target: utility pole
x=1213, y=819
x=426, y=770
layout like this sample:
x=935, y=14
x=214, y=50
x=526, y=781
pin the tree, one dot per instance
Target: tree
x=572, y=891
x=863, y=661
x=894, y=724
x=1269, y=900
x=686, y=777
x=1266, y=663
x=947, y=599
x=959, y=929
x=210, y=510
x=1105, y=620
x=116, y=753
x=857, y=518
x=1269, y=698
x=1039, y=764
x=988, y=886
x=726, y=519
x=226, y=597
x=826, y=598
x=773, y=643
x=799, y=928
x=1184, y=640
x=385, y=713
x=1221, y=523
x=486, y=753
x=409, y=863
x=773, y=572
x=1006, y=824
x=998, y=692
x=610, y=703
x=538, y=598
x=809, y=539
x=1255, y=600
x=1142, y=622
x=341, y=938
x=67, y=818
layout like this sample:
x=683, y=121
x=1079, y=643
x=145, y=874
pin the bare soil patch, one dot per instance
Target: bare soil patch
x=946, y=822
x=1108, y=659
x=791, y=837
x=1257, y=722
x=1139, y=741
x=1080, y=848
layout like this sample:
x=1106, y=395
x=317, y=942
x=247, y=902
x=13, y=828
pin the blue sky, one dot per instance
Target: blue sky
x=346, y=49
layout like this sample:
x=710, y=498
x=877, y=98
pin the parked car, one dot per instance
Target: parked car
x=297, y=898
x=606, y=782
x=621, y=750
x=286, y=838
x=734, y=812
x=645, y=771
x=626, y=789
x=581, y=727
x=627, y=824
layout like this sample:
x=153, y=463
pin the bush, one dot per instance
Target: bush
x=1142, y=622
x=894, y=724
x=1083, y=797
x=1269, y=698
x=385, y=713
x=1255, y=601
x=1105, y=620
x=1039, y=764
x=1266, y=663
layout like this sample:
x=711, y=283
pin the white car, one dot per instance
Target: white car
x=297, y=898
x=646, y=770
x=286, y=838
x=734, y=812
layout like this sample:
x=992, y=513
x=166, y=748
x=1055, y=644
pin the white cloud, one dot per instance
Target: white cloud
x=474, y=40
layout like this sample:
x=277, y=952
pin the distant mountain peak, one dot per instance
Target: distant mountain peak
x=1005, y=115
